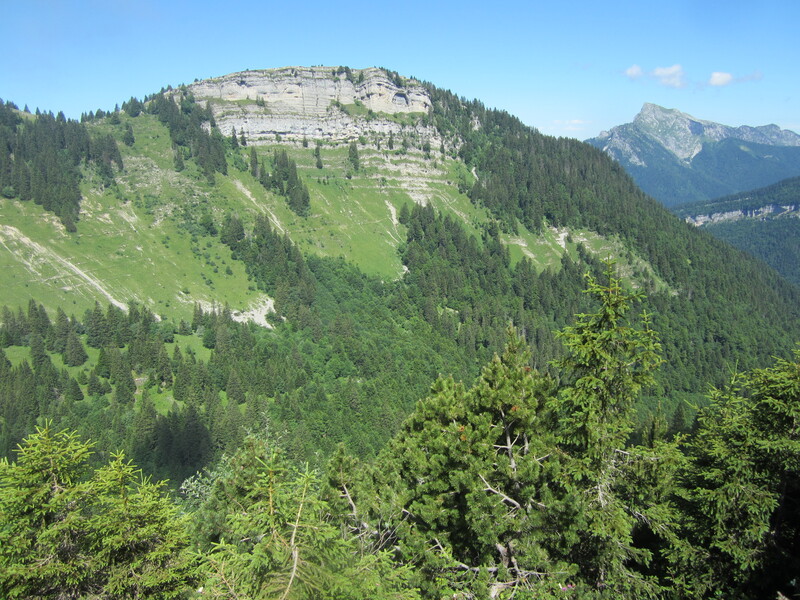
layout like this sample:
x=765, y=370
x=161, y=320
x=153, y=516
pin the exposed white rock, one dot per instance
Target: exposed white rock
x=761, y=213
x=315, y=103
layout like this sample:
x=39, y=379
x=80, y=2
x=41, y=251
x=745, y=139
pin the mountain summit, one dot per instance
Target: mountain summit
x=322, y=103
x=678, y=158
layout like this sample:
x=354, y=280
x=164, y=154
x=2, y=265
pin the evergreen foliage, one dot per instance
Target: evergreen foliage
x=40, y=159
x=278, y=541
x=526, y=483
x=185, y=120
x=742, y=484
x=68, y=533
x=285, y=181
x=537, y=480
x=767, y=228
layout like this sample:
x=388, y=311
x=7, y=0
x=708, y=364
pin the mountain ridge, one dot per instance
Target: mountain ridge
x=315, y=103
x=678, y=158
x=163, y=231
x=765, y=223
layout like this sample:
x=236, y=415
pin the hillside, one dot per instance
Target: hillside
x=326, y=241
x=677, y=158
x=762, y=222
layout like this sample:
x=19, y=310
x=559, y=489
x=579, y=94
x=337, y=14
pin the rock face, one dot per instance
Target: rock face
x=760, y=213
x=316, y=103
x=677, y=158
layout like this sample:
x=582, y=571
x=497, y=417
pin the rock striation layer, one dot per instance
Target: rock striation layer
x=316, y=103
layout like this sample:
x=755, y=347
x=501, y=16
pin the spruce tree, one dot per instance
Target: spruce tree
x=66, y=532
x=253, y=162
x=74, y=353
x=608, y=362
x=352, y=155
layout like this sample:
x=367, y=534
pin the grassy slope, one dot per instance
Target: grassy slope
x=133, y=243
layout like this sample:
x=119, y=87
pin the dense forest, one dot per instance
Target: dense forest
x=477, y=428
x=40, y=159
x=523, y=484
x=769, y=228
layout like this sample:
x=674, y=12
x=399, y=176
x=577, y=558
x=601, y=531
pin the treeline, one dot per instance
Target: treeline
x=524, y=484
x=192, y=129
x=283, y=180
x=40, y=159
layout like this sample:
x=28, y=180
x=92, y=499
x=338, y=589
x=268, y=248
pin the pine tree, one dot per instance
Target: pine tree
x=475, y=471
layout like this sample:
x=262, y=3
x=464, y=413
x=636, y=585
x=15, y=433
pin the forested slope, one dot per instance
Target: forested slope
x=763, y=222
x=343, y=344
x=457, y=455
x=522, y=484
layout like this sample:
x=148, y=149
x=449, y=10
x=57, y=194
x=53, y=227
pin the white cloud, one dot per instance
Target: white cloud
x=718, y=78
x=634, y=72
x=670, y=76
x=675, y=77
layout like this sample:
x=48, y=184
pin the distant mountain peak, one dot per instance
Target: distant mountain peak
x=676, y=158
x=684, y=135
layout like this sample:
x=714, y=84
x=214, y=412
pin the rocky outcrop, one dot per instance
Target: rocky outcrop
x=770, y=211
x=317, y=103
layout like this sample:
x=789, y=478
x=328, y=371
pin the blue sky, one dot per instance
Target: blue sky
x=569, y=68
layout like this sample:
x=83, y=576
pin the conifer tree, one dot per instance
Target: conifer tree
x=475, y=472
x=253, y=162
x=318, y=156
x=127, y=138
x=74, y=353
x=69, y=533
x=352, y=155
x=608, y=361
x=743, y=486
x=277, y=541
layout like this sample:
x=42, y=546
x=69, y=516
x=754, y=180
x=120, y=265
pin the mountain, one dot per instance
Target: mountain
x=677, y=158
x=763, y=222
x=274, y=289
x=319, y=244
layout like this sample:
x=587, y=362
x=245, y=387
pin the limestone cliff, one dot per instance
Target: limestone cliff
x=317, y=103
